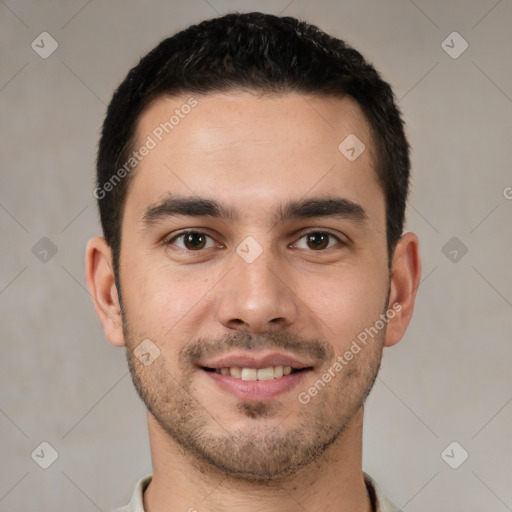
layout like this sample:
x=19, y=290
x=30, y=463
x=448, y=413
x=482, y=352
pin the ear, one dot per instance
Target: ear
x=101, y=282
x=405, y=280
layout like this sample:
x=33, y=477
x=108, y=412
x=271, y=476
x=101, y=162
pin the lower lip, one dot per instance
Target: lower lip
x=257, y=390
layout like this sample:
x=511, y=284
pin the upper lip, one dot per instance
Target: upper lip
x=245, y=360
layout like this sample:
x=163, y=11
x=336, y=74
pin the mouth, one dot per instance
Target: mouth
x=253, y=378
x=252, y=374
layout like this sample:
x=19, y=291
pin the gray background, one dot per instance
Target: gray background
x=448, y=380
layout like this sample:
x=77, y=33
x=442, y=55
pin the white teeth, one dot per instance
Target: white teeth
x=266, y=373
x=269, y=373
x=249, y=374
x=235, y=372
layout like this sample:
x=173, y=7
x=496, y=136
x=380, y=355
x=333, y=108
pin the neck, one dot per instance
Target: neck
x=182, y=483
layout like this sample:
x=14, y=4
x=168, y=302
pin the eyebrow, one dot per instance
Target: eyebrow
x=193, y=206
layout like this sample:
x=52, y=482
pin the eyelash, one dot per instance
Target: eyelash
x=312, y=232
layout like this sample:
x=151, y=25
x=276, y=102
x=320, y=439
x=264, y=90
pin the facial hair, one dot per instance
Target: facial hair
x=256, y=452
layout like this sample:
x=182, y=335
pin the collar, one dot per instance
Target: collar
x=379, y=502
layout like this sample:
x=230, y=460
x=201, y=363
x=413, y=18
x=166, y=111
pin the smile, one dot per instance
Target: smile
x=269, y=373
x=256, y=384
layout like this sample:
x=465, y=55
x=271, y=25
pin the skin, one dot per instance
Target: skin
x=211, y=450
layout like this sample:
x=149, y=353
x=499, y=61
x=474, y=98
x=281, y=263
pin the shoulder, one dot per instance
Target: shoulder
x=382, y=504
x=137, y=502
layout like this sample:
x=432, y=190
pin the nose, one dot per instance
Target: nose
x=258, y=295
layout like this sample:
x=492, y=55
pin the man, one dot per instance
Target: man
x=252, y=182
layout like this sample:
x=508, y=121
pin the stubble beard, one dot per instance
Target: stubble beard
x=254, y=453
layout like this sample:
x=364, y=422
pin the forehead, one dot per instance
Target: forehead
x=247, y=150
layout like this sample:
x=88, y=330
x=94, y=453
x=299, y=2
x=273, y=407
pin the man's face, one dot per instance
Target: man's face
x=287, y=279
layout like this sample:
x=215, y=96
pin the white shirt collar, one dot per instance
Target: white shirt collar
x=382, y=504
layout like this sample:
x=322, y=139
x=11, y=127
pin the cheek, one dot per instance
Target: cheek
x=345, y=301
x=162, y=301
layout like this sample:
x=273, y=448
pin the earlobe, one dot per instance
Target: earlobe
x=405, y=280
x=102, y=287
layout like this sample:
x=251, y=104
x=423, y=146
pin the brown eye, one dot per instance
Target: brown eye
x=317, y=240
x=192, y=241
